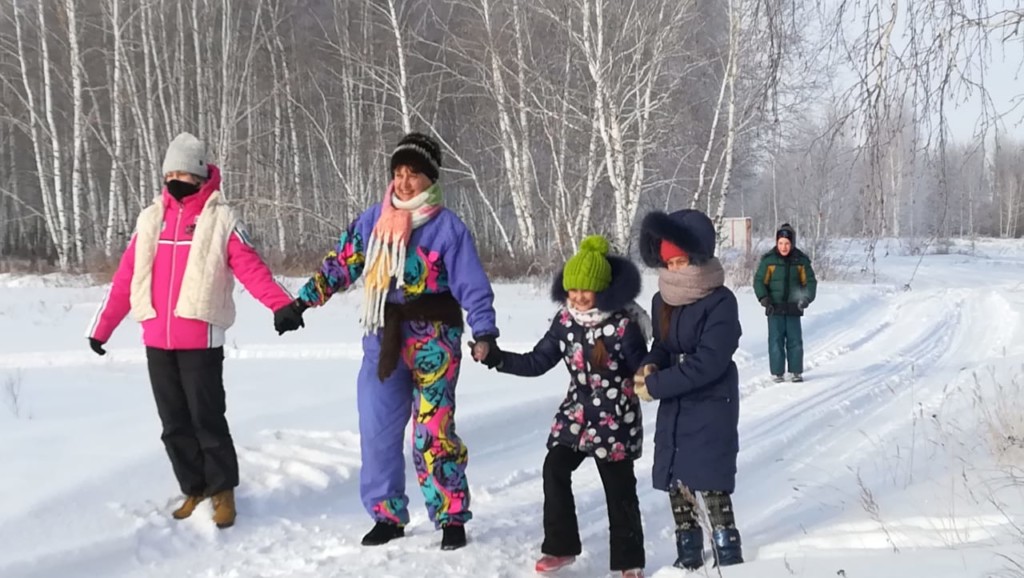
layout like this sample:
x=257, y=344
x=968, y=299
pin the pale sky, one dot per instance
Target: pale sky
x=1004, y=77
x=1003, y=81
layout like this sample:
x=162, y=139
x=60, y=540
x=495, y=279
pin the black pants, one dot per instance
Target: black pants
x=188, y=386
x=684, y=509
x=561, y=529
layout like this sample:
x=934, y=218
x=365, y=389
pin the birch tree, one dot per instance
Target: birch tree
x=557, y=118
x=626, y=62
x=78, y=130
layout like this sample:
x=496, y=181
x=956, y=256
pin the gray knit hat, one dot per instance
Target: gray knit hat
x=186, y=154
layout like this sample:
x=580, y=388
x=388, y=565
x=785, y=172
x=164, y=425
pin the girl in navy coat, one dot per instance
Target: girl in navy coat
x=691, y=372
x=597, y=332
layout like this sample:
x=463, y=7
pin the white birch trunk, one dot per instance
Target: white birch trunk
x=613, y=119
x=115, y=205
x=169, y=130
x=65, y=246
x=202, y=103
x=712, y=135
x=155, y=176
x=35, y=122
x=78, y=132
x=180, y=104
x=92, y=188
x=296, y=164
x=513, y=156
x=730, y=137
x=227, y=80
x=403, y=75
x=278, y=137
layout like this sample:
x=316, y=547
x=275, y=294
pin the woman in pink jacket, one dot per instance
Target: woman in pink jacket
x=176, y=279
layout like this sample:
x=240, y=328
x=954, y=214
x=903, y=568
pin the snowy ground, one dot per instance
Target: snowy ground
x=897, y=458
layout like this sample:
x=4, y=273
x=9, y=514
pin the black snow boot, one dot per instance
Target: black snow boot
x=690, y=548
x=382, y=533
x=454, y=537
x=727, y=546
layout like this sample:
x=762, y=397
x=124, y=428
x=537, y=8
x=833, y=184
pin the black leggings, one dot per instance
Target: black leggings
x=684, y=504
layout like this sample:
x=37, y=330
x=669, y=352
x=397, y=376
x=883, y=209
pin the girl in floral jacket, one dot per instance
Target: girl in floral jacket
x=598, y=334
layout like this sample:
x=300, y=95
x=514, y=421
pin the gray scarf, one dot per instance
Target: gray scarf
x=690, y=284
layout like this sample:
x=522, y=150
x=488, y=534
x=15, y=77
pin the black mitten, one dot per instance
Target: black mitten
x=493, y=358
x=97, y=346
x=289, y=317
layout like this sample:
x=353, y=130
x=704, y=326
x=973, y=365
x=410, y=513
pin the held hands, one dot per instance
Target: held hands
x=640, y=381
x=289, y=317
x=485, y=350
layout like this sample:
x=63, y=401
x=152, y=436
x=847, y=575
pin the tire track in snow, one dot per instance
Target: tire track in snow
x=843, y=332
x=806, y=453
x=879, y=371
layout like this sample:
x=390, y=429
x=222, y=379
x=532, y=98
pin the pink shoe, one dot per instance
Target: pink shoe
x=552, y=563
x=633, y=573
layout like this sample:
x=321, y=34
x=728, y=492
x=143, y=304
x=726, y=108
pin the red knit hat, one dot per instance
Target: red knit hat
x=670, y=250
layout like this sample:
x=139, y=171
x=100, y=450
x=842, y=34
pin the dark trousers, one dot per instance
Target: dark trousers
x=561, y=529
x=684, y=509
x=785, y=344
x=188, y=386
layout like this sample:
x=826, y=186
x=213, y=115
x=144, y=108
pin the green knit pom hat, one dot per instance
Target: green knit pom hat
x=588, y=270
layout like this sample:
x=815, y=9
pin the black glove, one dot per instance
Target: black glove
x=97, y=346
x=493, y=358
x=289, y=317
x=766, y=302
x=802, y=304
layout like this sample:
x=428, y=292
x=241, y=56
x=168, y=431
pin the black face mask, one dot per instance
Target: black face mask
x=181, y=189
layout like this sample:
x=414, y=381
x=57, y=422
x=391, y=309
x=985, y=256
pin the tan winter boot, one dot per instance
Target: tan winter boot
x=224, y=509
x=187, y=507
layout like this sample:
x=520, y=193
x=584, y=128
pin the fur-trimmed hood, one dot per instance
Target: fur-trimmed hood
x=688, y=229
x=619, y=296
x=625, y=287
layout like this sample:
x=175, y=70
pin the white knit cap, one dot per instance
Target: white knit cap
x=186, y=154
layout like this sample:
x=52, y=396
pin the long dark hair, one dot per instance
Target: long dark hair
x=665, y=319
x=599, y=355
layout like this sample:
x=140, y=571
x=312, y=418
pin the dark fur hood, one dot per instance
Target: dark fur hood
x=688, y=229
x=625, y=287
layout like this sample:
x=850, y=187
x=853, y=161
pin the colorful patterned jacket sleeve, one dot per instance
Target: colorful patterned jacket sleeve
x=468, y=282
x=342, y=266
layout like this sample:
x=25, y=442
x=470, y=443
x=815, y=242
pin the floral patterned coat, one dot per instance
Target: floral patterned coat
x=600, y=415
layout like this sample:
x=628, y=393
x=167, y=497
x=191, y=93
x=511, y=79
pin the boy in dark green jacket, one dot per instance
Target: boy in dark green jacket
x=785, y=286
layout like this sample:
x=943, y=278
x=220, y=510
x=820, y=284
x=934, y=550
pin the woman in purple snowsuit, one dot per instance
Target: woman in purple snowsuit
x=420, y=268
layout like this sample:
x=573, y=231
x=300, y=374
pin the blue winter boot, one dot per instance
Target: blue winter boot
x=690, y=547
x=728, y=549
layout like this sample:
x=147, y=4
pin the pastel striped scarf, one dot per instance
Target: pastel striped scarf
x=385, y=255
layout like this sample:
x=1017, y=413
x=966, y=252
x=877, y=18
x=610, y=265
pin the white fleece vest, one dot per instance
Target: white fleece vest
x=208, y=285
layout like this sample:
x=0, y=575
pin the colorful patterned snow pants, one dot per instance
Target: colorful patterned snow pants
x=431, y=357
